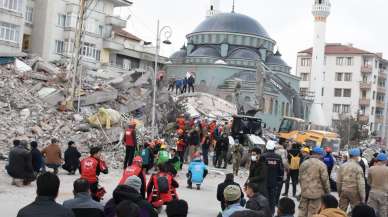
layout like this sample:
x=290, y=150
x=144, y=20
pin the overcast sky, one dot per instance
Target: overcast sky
x=363, y=23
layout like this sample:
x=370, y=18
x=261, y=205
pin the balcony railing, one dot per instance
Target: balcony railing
x=364, y=101
x=380, y=104
x=365, y=85
x=382, y=74
x=381, y=89
x=115, y=21
x=363, y=118
x=380, y=119
x=366, y=69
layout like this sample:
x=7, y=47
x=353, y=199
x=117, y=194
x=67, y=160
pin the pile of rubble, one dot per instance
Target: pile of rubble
x=30, y=105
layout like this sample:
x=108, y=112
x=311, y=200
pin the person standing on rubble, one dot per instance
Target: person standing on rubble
x=130, y=143
x=190, y=82
x=53, y=155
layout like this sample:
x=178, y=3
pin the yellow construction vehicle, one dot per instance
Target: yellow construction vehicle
x=298, y=131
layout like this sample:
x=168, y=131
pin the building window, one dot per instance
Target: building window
x=305, y=62
x=322, y=91
x=304, y=76
x=59, y=46
x=347, y=92
x=336, y=108
x=345, y=109
x=276, y=107
x=282, y=110
x=363, y=94
x=90, y=51
x=28, y=14
x=372, y=111
x=68, y=19
x=303, y=91
x=338, y=76
x=13, y=5
x=348, y=76
x=349, y=61
x=100, y=30
x=337, y=92
x=340, y=61
x=9, y=32
x=367, y=62
x=61, y=20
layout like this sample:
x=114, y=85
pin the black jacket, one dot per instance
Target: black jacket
x=258, y=174
x=72, y=156
x=124, y=192
x=194, y=138
x=275, y=168
x=45, y=207
x=20, y=163
x=37, y=159
x=222, y=144
x=260, y=204
x=221, y=187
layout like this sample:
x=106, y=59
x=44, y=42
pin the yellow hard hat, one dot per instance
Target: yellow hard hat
x=306, y=149
x=164, y=146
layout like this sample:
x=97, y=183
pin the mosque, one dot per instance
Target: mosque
x=224, y=51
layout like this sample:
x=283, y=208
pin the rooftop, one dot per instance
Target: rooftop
x=338, y=48
x=125, y=34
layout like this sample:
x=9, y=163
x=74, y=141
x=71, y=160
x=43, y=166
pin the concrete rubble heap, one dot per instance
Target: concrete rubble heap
x=30, y=106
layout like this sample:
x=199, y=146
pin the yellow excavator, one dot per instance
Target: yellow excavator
x=298, y=131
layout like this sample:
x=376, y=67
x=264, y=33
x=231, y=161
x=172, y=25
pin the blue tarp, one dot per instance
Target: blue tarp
x=7, y=60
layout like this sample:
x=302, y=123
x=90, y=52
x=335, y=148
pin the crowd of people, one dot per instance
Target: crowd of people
x=361, y=185
x=182, y=85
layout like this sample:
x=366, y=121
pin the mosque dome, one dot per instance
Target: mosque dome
x=275, y=59
x=181, y=54
x=232, y=23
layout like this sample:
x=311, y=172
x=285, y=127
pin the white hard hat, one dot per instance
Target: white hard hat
x=270, y=145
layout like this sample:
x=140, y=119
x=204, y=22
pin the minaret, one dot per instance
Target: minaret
x=214, y=8
x=321, y=10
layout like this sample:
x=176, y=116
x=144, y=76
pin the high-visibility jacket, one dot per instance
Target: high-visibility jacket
x=130, y=137
x=91, y=167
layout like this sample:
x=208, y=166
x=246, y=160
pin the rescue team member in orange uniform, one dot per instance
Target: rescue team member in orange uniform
x=130, y=143
x=90, y=169
x=135, y=169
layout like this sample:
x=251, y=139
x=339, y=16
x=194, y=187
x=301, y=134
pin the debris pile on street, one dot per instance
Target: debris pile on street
x=32, y=92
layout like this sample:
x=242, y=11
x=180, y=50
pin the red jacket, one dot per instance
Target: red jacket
x=91, y=167
x=181, y=123
x=152, y=187
x=130, y=137
x=134, y=170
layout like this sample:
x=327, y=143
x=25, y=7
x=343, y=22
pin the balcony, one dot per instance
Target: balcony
x=363, y=118
x=380, y=104
x=380, y=89
x=382, y=74
x=380, y=119
x=366, y=69
x=364, y=101
x=112, y=45
x=115, y=21
x=365, y=85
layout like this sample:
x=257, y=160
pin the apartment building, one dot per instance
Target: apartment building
x=354, y=84
x=47, y=28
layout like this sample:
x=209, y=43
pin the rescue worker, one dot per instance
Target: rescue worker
x=314, y=183
x=305, y=152
x=275, y=173
x=130, y=143
x=237, y=150
x=350, y=182
x=180, y=121
x=163, y=155
x=197, y=172
x=175, y=161
x=181, y=146
x=146, y=157
x=377, y=178
x=294, y=161
x=161, y=188
x=90, y=169
x=205, y=143
x=135, y=169
x=222, y=148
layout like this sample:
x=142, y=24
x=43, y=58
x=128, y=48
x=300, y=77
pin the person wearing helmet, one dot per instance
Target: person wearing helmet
x=130, y=142
x=163, y=155
x=305, y=151
x=90, y=169
x=350, y=182
x=135, y=169
x=377, y=178
x=275, y=173
x=197, y=171
x=314, y=183
x=328, y=159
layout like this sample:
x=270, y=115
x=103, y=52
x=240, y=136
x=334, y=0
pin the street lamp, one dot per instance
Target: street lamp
x=167, y=34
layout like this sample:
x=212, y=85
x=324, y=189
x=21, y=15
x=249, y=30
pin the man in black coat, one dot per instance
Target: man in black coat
x=258, y=172
x=72, y=156
x=229, y=180
x=37, y=157
x=44, y=204
x=222, y=148
x=20, y=165
x=257, y=201
x=130, y=191
x=275, y=173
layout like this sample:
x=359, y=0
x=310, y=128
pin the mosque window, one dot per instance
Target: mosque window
x=287, y=109
x=247, y=99
x=276, y=107
x=271, y=106
x=282, y=110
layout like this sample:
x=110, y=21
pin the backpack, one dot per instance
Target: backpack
x=295, y=162
x=163, y=185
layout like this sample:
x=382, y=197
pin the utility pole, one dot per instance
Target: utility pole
x=76, y=54
x=260, y=81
